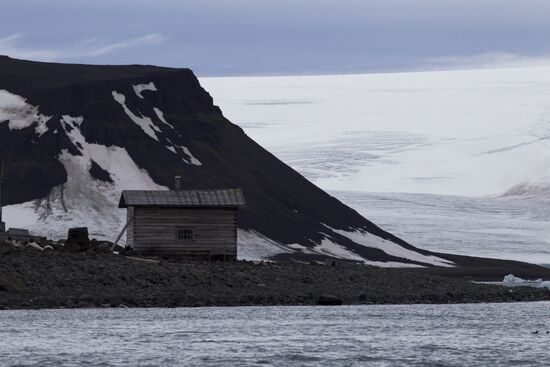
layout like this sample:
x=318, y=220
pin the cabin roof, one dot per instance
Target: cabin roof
x=183, y=198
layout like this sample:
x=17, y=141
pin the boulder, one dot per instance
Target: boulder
x=329, y=300
x=34, y=245
x=77, y=237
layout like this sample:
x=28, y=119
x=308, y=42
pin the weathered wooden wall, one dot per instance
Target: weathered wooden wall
x=130, y=229
x=153, y=230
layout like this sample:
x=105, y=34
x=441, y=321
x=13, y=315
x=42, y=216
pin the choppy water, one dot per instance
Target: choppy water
x=419, y=335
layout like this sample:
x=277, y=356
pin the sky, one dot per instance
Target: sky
x=280, y=37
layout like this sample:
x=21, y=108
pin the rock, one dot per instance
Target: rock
x=71, y=247
x=329, y=300
x=126, y=251
x=8, y=283
x=104, y=248
x=85, y=297
x=78, y=237
x=34, y=245
x=56, y=245
x=5, y=248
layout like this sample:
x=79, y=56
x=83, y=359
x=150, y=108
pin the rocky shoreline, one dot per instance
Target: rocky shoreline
x=34, y=279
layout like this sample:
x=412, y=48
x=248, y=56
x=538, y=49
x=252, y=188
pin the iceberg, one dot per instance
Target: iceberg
x=511, y=280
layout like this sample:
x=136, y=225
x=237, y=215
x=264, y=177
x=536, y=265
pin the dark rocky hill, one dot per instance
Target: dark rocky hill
x=74, y=136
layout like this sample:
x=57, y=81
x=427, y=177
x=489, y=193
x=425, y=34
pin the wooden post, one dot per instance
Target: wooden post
x=2, y=224
x=115, y=244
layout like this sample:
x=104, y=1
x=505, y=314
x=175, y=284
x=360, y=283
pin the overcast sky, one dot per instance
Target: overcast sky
x=260, y=37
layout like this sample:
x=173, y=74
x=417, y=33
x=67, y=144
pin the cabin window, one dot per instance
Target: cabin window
x=185, y=234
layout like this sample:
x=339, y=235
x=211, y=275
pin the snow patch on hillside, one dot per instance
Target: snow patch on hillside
x=254, y=246
x=144, y=122
x=160, y=115
x=328, y=247
x=83, y=200
x=366, y=239
x=192, y=160
x=20, y=114
x=147, y=125
x=143, y=87
x=183, y=151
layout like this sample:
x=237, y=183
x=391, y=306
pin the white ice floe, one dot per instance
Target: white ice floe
x=143, y=87
x=20, y=114
x=144, y=122
x=511, y=280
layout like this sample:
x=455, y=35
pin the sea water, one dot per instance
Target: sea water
x=393, y=335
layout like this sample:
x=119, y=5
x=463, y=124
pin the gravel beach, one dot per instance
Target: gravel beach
x=34, y=279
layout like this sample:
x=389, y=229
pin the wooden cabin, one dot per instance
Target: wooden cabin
x=198, y=224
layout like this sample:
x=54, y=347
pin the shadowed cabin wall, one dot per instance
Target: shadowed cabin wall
x=130, y=229
x=154, y=230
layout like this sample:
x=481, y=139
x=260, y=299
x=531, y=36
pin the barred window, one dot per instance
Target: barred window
x=185, y=234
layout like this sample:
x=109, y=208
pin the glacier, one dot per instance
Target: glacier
x=452, y=161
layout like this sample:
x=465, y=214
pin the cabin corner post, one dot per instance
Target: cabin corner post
x=2, y=224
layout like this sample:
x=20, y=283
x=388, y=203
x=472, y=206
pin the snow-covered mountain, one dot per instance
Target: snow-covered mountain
x=467, y=151
x=74, y=136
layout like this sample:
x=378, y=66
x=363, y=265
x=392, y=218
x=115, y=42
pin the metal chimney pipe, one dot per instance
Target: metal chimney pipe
x=178, y=183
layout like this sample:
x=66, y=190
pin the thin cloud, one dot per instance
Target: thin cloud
x=489, y=60
x=92, y=47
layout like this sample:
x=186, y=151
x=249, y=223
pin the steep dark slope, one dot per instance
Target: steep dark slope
x=78, y=115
